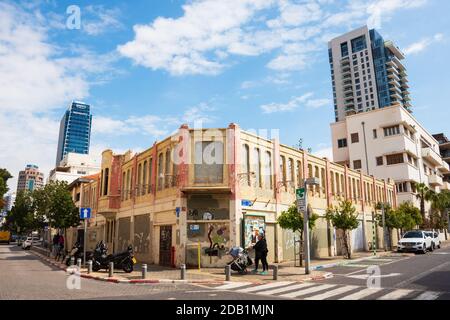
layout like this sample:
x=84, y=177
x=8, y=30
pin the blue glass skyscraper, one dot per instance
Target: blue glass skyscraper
x=75, y=131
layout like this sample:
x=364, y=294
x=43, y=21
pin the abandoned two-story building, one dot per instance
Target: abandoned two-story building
x=199, y=192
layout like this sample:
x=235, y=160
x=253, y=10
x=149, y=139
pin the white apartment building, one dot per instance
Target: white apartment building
x=390, y=143
x=74, y=166
x=366, y=73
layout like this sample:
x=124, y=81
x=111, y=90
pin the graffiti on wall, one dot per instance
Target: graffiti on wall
x=217, y=241
x=142, y=234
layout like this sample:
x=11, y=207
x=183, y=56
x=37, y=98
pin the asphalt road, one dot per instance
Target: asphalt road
x=422, y=277
x=24, y=276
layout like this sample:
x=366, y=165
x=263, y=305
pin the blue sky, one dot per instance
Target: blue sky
x=148, y=66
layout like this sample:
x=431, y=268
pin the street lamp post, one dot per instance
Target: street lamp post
x=383, y=216
x=303, y=207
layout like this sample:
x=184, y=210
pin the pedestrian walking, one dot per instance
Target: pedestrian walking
x=55, y=246
x=261, y=255
x=60, y=246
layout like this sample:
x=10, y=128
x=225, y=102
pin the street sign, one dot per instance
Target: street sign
x=246, y=203
x=178, y=210
x=85, y=213
x=300, y=193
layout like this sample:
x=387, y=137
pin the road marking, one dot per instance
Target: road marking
x=266, y=286
x=383, y=260
x=366, y=276
x=361, y=294
x=289, y=288
x=428, y=295
x=357, y=265
x=307, y=291
x=396, y=294
x=421, y=275
x=233, y=285
x=441, y=253
x=332, y=293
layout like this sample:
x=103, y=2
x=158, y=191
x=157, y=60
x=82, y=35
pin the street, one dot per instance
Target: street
x=420, y=277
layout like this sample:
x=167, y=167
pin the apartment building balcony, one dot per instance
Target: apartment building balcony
x=405, y=91
x=348, y=88
x=393, y=75
x=395, y=96
x=395, y=82
x=394, y=49
x=444, y=167
x=406, y=97
x=348, y=82
x=405, y=84
x=435, y=180
x=407, y=104
x=445, y=186
x=431, y=156
x=345, y=62
x=347, y=76
x=395, y=89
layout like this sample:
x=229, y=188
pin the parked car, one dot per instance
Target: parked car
x=436, y=242
x=415, y=241
x=26, y=245
x=20, y=240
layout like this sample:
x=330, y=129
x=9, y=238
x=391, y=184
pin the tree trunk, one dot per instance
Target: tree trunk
x=347, y=244
x=422, y=208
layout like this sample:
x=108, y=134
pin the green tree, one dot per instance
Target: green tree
x=4, y=177
x=424, y=194
x=345, y=218
x=291, y=219
x=54, y=204
x=410, y=216
x=439, y=207
x=21, y=218
x=392, y=220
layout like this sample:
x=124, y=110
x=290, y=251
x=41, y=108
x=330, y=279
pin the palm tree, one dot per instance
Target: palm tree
x=424, y=193
x=441, y=204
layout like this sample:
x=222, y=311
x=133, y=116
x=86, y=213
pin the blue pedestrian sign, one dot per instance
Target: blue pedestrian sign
x=85, y=213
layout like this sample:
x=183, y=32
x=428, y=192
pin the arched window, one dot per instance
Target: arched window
x=257, y=166
x=332, y=182
x=150, y=175
x=128, y=187
x=268, y=171
x=283, y=170
x=167, y=170
x=291, y=172
x=323, y=181
x=139, y=180
x=246, y=163
x=160, y=171
x=144, y=178
x=106, y=184
x=124, y=192
x=299, y=174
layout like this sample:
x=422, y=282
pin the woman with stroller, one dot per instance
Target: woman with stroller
x=261, y=254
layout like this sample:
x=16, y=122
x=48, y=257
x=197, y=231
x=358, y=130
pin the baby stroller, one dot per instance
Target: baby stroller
x=241, y=260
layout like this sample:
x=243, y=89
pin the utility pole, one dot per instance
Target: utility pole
x=306, y=231
x=384, y=226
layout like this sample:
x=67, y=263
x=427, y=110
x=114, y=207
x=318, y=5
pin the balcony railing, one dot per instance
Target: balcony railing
x=431, y=156
x=435, y=180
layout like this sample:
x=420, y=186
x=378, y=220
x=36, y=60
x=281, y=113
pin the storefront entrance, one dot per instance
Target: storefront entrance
x=165, y=246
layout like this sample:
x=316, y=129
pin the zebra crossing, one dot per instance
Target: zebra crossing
x=321, y=291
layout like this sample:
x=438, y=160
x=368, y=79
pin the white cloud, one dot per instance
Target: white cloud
x=96, y=19
x=423, y=44
x=36, y=79
x=210, y=33
x=293, y=104
x=305, y=100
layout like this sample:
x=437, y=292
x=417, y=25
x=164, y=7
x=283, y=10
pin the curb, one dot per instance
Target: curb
x=327, y=275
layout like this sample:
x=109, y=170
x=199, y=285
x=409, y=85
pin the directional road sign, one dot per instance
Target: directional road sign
x=85, y=213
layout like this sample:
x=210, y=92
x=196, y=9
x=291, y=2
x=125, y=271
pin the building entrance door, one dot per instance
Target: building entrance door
x=165, y=246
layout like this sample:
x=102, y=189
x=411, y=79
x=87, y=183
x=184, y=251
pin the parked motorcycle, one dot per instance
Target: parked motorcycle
x=124, y=260
x=77, y=253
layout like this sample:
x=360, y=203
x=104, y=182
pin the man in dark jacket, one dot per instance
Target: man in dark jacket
x=261, y=254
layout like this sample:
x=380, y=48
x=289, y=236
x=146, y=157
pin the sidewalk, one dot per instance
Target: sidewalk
x=286, y=271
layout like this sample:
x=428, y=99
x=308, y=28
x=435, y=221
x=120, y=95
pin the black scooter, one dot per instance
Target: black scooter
x=77, y=253
x=124, y=260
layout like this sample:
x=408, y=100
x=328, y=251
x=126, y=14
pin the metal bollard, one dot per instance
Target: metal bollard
x=72, y=261
x=89, y=266
x=144, y=271
x=183, y=272
x=111, y=269
x=228, y=273
x=79, y=263
x=275, y=272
